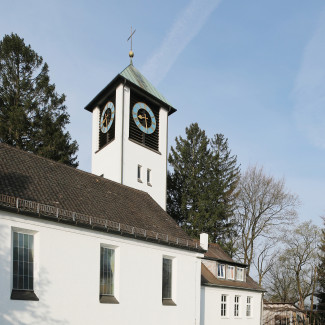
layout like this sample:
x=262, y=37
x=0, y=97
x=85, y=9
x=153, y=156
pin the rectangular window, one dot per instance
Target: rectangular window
x=167, y=279
x=223, y=305
x=139, y=173
x=249, y=307
x=23, y=261
x=236, y=306
x=107, y=271
x=148, y=176
x=23, y=266
x=231, y=272
x=221, y=270
x=240, y=274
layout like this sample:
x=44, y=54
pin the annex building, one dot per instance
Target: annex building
x=99, y=247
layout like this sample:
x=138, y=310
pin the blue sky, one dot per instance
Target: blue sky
x=252, y=70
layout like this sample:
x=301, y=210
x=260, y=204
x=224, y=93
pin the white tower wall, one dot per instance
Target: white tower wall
x=119, y=159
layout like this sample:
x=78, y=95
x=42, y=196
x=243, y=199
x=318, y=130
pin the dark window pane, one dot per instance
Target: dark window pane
x=30, y=283
x=15, y=254
x=26, y=254
x=167, y=278
x=31, y=242
x=15, y=239
x=30, y=255
x=25, y=241
x=20, y=254
x=15, y=268
x=15, y=282
x=21, y=282
x=107, y=271
x=20, y=268
x=25, y=268
x=21, y=240
x=30, y=269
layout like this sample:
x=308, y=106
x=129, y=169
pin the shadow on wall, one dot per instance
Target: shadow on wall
x=202, y=305
x=19, y=312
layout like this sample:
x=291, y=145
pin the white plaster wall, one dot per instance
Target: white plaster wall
x=67, y=280
x=135, y=154
x=109, y=159
x=211, y=306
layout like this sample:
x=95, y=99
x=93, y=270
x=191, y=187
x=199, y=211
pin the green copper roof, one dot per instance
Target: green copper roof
x=133, y=75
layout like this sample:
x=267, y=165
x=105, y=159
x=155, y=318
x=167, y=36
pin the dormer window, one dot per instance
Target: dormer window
x=231, y=272
x=221, y=271
x=240, y=274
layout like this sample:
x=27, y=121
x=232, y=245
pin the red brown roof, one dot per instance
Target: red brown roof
x=215, y=252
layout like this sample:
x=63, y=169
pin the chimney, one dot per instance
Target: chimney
x=204, y=241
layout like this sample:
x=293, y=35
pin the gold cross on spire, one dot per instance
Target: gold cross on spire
x=131, y=54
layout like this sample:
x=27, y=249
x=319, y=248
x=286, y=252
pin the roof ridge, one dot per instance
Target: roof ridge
x=73, y=168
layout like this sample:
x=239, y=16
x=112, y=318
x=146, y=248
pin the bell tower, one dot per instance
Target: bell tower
x=130, y=132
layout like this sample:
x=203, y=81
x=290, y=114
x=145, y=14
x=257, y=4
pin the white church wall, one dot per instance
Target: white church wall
x=67, y=272
x=211, y=306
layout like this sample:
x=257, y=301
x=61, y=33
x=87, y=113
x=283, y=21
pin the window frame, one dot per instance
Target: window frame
x=223, y=306
x=249, y=306
x=243, y=275
x=109, y=298
x=169, y=301
x=149, y=177
x=228, y=272
x=24, y=293
x=237, y=306
x=139, y=172
x=223, y=268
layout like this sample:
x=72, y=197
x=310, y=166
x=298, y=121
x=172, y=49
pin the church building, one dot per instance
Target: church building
x=99, y=248
x=96, y=248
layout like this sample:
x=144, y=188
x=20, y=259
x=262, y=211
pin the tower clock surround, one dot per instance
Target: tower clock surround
x=134, y=133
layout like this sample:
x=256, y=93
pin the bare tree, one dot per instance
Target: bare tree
x=265, y=258
x=263, y=207
x=302, y=257
x=280, y=281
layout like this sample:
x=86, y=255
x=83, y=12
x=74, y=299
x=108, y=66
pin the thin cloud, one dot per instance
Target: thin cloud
x=309, y=91
x=185, y=28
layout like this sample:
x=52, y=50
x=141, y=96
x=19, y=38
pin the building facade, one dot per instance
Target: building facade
x=228, y=295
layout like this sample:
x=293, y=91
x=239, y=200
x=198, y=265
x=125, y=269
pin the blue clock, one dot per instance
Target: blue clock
x=144, y=118
x=107, y=117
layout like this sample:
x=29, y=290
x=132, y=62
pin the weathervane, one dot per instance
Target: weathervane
x=131, y=54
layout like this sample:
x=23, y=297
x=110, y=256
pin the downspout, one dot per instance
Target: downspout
x=122, y=135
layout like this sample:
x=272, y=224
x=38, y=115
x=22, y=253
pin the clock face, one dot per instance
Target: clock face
x=107, y=117
x=144, y=118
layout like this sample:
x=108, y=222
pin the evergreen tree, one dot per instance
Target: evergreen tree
x=32, y=114
x=201, y=186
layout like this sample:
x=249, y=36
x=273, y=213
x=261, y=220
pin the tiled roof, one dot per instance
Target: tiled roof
x=30, y=177
x=135, y=76
x=217, y=253
x=207, y=278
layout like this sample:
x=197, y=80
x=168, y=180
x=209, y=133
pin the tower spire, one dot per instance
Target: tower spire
x=131, y=54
